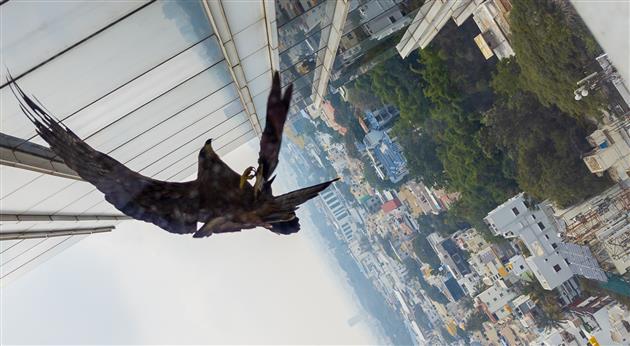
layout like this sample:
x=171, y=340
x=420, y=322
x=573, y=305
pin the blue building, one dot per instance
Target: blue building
x=454, y=288
x=386, y=156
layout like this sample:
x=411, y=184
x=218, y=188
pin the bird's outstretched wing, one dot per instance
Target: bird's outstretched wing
x=171, y=206
x=271, y=140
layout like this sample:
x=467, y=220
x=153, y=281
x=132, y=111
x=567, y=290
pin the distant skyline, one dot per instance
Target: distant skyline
x=142, y=285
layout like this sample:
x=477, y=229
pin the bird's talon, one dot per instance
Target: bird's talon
x=248, y=174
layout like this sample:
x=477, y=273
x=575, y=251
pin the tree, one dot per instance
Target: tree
x=413, y=268
x=488, y=130
x=393, y=84
x=467, y=303
x=363, y=99
x=553, y=47
x=434, y=293
x=346, y=116
x=447, y=336
x=549, y=313
x=443, y=223
x=550, y=320
x=424, y=251
x=595, y=288
x=544, y=142
x=364, y=242
x=423, y=162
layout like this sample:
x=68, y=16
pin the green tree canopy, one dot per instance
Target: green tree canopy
x=545, y=143
x=424, y=251
x=553, y=48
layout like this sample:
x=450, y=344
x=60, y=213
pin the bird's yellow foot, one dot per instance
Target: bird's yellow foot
x=249, y=173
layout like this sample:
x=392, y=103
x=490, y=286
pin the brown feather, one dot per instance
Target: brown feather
x=171, y=206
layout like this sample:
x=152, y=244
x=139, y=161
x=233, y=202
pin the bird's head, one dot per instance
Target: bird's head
x=207, y=151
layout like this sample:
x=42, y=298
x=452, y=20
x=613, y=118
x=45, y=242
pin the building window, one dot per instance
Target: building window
x=541, y=225
x=515, y=211
x=554, y=245
x=556, y=268
x=392, y=19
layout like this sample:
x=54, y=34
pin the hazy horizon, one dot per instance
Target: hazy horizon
x=139, y=284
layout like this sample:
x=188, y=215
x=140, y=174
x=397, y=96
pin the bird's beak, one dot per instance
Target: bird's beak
x=208, y=146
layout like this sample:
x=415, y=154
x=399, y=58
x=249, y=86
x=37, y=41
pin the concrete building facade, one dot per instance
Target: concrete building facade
x=611, y=151
x=489, y=15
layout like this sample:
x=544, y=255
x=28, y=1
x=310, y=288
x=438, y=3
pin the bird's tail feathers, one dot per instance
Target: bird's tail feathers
x=289, y=202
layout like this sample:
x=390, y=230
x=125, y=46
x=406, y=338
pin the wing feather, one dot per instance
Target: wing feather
x=271, y=140
x=171, y=206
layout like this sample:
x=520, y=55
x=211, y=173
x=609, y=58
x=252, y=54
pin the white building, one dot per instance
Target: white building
x=608, y=22
x=611, y=151
x=369, y=264
x=536, y=227
x=470, y=240
x=557, y=336
x=486, y=263
x=494, y=301
x=514, y=219
x=518, y=266
x=343, y=218
x=390, y=18
x=469, y=283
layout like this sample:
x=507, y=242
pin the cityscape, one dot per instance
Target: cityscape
x=482, y=146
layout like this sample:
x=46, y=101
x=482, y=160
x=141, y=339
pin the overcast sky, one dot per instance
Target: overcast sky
x=140, y=284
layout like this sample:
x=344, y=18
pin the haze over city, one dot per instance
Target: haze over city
x=482, y=149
